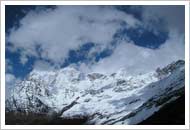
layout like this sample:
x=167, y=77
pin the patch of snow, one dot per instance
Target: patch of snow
x=107, y=99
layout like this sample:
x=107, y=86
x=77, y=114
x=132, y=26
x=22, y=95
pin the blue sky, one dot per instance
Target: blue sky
x=92, y=38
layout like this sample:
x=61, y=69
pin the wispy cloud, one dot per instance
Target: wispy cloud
x=138, y=59
x=43, y=65
x=8, y=65
x=10, y=82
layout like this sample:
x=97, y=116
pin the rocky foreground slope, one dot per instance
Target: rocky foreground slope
x=105, y=99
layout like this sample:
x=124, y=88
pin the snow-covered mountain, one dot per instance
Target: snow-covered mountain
x=106, y=99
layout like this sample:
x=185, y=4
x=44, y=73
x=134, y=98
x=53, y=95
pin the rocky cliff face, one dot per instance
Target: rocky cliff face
x=106, y=99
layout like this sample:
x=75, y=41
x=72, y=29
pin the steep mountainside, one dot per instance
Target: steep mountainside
x=105, y=99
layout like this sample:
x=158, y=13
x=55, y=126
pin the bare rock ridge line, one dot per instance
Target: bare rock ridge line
x=67, y=107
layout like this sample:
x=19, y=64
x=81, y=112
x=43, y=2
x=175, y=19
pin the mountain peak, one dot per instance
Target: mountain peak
x=170, y=68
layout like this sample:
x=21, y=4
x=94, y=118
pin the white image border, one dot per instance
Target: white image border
x=3, y=126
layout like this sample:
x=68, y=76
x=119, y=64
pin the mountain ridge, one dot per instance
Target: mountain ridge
x=105, y=99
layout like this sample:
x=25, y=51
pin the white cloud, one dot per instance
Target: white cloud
x=23, y=59
x=10, y=81
x=9, y=78
x=138, y=59
x=43, y=65
x=8, y=65
x=67, y=27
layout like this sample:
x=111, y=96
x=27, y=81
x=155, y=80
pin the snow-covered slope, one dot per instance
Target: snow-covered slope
x=106, y=99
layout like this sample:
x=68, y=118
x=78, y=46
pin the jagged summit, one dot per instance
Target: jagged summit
x=107, y=99
x=170, y=68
